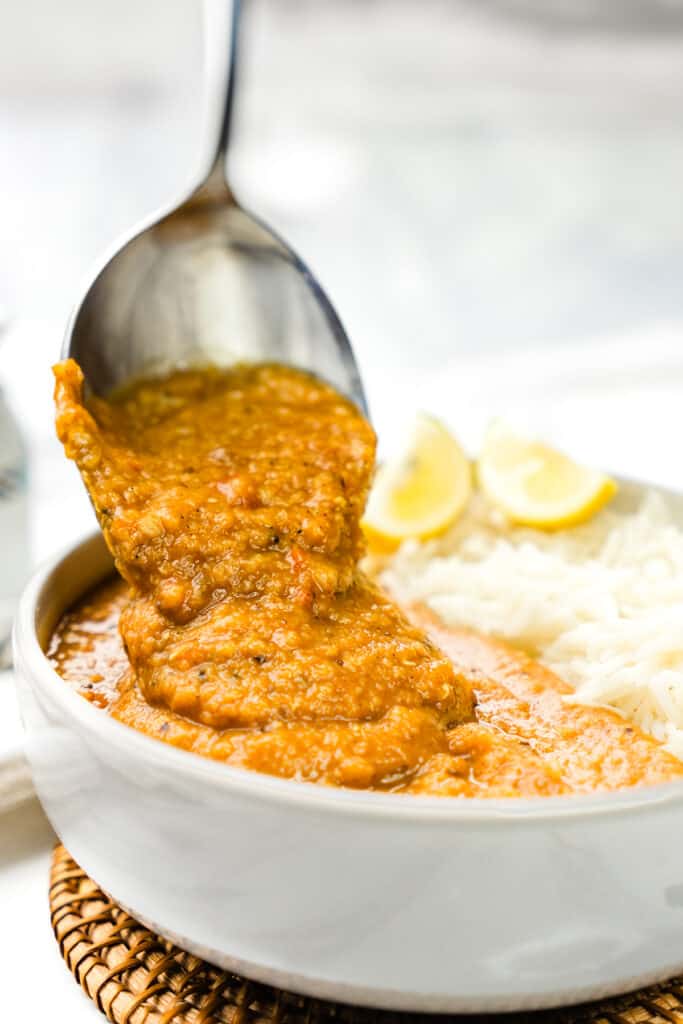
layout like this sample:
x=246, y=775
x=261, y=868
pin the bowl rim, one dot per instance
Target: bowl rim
x=31, y=660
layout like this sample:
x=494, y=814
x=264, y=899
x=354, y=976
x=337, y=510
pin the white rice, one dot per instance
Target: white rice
x=601, y=605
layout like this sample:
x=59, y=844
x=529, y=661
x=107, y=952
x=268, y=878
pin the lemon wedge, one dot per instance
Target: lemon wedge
x=536, y=485
x=422, y=491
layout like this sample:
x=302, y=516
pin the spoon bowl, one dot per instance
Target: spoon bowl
x=208, y=282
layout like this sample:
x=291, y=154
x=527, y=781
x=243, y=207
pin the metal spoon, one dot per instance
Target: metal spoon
x=207, y=281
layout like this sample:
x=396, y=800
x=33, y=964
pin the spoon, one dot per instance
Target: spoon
x=207, y=282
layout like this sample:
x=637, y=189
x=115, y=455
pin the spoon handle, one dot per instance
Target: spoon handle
x=221, y=32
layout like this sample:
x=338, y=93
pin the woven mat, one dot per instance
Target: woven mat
x=136, y=977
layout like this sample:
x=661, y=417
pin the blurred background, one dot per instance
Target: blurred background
x=490, y=190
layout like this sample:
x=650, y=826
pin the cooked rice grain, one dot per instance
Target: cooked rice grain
x=602, y=604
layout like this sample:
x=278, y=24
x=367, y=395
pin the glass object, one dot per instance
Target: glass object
x=13, y=523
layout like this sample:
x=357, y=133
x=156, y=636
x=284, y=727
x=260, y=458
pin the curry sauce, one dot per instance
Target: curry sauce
x=242, y=628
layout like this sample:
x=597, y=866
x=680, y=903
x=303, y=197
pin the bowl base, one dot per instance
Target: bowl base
x=130, y=972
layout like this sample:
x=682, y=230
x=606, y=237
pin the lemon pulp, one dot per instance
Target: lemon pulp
x=422, y=492
x=536, y=485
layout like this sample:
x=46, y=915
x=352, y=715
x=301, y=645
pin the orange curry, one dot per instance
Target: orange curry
x=242, y=628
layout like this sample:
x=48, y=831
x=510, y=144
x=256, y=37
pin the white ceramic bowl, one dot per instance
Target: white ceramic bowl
x=411, y=903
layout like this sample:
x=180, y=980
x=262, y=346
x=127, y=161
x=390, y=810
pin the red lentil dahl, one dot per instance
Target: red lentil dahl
x=242, y=628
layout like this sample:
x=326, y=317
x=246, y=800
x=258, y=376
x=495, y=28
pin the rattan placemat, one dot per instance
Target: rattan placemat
x=136, y=977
